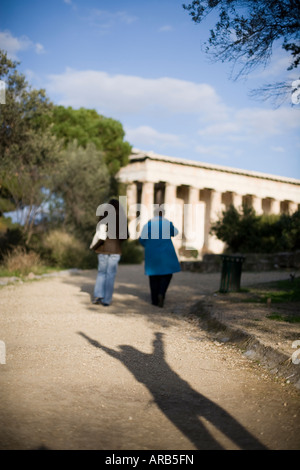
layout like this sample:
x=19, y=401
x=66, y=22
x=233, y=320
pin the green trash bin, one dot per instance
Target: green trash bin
x=231, y=272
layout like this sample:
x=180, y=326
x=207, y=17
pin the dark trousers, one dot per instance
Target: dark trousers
x=158, y=287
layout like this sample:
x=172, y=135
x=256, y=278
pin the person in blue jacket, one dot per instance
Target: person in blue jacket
x=160, y=257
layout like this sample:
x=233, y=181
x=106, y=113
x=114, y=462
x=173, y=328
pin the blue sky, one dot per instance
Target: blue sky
x=141, y=63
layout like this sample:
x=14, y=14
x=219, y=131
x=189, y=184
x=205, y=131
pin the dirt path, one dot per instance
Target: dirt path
x=131, y=376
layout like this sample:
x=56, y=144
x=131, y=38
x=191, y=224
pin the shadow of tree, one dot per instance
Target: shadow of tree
x=180, y=403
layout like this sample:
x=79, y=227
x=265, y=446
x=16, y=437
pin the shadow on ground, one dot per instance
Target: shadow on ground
x=180, y=403
x=132, y=294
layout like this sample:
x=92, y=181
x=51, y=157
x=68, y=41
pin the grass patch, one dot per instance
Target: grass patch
x=4, y=272
x=20, y=263
x=277, y=292
x=288, y=318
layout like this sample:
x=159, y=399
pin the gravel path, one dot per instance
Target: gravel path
x=131, y=376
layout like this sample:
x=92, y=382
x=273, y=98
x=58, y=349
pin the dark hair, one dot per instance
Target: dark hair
x=120, y=219
x=115, y=203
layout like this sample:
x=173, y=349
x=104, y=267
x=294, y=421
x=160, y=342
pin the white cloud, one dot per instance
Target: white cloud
x=216, y=151
x=147, y=136
x=31, y=75
x=246, y=123
x=278, y=149
x=71, y=4
x=278, y=64
x=220, y=128
x=125, y=94
x=166, y=28
x=104, y=20
x=13, y=45
x=39, y=48
x=267, y=122
x=177, y=107
x=124, y=17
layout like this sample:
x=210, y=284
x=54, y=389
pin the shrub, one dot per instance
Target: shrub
x=65, y=251
x=132, y=252
x=20, y=262
x=246, y=232
x=11, y=236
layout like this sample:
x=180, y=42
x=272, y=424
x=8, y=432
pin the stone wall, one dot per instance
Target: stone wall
x=253, y=262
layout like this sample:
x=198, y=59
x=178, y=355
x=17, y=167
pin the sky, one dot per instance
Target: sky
x=143, y=64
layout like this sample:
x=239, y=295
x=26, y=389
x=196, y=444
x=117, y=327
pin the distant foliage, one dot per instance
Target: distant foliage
x=29, y=153
x=87, y=126
x=57, y=165
x=19, y=261
x=65, y=251
x=246, y=232
x=132, y=252
x=244, y=34
x=83, y=184
x=11, y=235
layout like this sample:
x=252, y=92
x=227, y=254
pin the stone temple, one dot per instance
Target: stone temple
x=194, y=194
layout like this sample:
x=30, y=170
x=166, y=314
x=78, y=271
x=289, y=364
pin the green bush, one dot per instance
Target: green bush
x=20, y=262
x=11, y=236
x=246, y=232
x=65, y=251
x=132, y=252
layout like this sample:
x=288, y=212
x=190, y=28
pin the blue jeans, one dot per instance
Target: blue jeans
x=107, y=270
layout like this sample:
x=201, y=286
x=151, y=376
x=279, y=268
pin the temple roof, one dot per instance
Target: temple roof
x=140, y=155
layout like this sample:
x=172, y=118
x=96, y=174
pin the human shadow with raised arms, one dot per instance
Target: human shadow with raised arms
x=180, y=403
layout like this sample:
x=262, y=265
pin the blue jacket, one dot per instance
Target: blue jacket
x=160, y=255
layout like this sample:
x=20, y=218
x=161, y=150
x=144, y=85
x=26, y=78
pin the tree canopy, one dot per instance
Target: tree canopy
x=246, y=232
x=87, y=126
x=83, y=184
x=246, y=31
x=56, y=163
x=28, y=150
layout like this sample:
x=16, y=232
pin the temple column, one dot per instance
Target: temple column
x=215, y=205
x=257, y=205
x=293, y=207
x=192, y=218
x=147, y=201
x=173, y=211
x=214, y=245
x=237, y=200
x=170, y=194
x=274, y=206
x=131, y=194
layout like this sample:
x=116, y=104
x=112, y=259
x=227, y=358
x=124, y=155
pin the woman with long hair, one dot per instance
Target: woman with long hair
x=113, y=223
